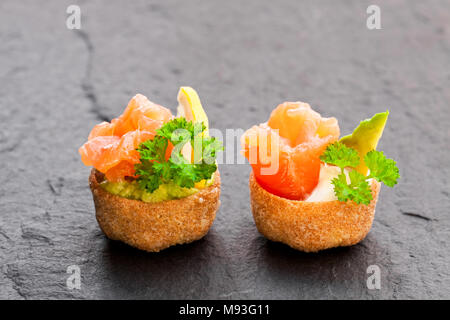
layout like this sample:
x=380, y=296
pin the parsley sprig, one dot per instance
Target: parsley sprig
x=381, y=168
x=154, y=170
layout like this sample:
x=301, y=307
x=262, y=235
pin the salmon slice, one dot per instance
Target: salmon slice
x=299, y=135
x=111, y=147
x=140, y=114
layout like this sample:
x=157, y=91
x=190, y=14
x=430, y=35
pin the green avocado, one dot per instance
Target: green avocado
x=365, y=137
x=168, y=191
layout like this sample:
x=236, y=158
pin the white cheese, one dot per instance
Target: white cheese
x=324, y=190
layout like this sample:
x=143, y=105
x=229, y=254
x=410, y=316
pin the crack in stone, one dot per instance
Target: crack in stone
x=47, y=216
x=13, y=276
x=383, y=223
x=86, y=84
x=32, y=234
x=227, y=295
x=56, y=187
x=417, y=215
x=3, y=234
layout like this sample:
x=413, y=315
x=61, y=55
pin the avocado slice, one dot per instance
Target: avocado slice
x=365, y=137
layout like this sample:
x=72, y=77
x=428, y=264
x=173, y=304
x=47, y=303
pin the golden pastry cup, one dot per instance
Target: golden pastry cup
x=155, y=226
x=311, y=226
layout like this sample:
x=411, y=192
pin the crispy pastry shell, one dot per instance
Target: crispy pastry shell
x=311, y=226
x=155, y=226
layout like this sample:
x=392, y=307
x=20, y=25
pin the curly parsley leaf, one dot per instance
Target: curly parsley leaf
x=361, y=189
x=340, y=155
x=154, y=169
x=381, y=168
x=341, y=188
x=358, y=189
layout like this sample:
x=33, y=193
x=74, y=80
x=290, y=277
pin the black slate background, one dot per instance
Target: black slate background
x=243, y=58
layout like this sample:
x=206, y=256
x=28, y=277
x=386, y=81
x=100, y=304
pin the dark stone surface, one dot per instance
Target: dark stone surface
x=243, y=58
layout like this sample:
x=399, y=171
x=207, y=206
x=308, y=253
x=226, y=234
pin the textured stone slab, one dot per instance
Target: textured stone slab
x=243, y=58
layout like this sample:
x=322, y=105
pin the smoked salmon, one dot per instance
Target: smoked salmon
x=111, y=146
x=299, y=135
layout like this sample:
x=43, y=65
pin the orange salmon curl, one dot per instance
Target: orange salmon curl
x=111, y=146
x=299, y=135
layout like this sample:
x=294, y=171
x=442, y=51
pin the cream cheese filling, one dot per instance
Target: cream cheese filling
x=324, y=190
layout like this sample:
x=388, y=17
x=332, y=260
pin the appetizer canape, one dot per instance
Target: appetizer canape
x=324, y=191
x=154, y=181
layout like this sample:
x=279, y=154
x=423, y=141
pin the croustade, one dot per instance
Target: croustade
x=311, y=226
x=155, y=226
